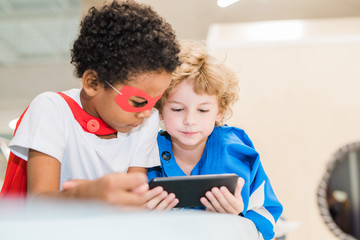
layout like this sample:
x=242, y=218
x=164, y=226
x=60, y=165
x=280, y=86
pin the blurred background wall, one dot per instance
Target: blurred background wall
x=299, y=102
x=298, y=62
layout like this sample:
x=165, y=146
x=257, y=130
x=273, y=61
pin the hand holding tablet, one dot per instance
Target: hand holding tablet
x=189, y=189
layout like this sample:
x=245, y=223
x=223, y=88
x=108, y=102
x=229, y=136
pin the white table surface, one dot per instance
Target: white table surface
x=52, y=220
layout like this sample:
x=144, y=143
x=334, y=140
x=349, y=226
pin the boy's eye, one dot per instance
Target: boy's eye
x=176, y=109
x=137, y=104
x=203, y=110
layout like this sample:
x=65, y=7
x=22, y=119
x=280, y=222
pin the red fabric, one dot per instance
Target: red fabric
x=15, y=182
x=88, y=123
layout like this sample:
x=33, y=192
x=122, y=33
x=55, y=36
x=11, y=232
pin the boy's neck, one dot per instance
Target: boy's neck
x=188, y=156
x=86, y=105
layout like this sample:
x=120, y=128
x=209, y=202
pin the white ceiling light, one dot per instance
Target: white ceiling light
x=225, y=3
x=274, y=30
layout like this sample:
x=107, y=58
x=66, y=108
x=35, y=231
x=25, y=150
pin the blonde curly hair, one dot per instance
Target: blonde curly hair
x=209, y=76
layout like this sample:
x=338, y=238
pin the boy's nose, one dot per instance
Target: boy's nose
x=189, y=120
x=144, y=114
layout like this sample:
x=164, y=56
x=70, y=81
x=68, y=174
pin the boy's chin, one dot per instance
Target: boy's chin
x=127, y=129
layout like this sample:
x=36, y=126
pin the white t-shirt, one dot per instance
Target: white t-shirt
x=49, y=126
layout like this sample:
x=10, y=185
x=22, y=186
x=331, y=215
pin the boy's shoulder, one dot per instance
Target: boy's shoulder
x=228, y=134
x=46, y=95
x=45, y=99
x=49, y=97
x=48, y=104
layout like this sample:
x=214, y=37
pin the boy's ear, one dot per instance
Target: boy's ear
x=219, y=116
x=90, y=82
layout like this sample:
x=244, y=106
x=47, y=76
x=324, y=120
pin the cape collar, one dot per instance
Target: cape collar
x=89, y=123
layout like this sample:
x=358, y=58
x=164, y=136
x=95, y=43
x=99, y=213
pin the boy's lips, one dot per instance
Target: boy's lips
x=189, y=133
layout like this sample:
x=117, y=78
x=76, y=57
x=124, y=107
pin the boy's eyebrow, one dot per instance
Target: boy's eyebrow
x=203, y=103
x=173, y=101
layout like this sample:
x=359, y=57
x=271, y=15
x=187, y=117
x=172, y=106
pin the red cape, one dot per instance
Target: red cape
x=15, y=182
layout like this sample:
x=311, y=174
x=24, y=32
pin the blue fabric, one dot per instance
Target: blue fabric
x=229, y=150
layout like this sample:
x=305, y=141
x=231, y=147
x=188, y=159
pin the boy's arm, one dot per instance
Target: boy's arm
x=128, y=189
x=264, y=209
x=43, y=173
x=44, y=180
x=137, y=169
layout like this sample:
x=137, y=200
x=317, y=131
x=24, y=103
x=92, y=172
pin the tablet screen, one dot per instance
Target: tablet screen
x=189, y=189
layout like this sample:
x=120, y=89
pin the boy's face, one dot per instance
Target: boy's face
x=123, y=119
x=190, y=118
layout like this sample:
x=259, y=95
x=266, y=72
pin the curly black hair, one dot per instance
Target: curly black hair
x=122, y=40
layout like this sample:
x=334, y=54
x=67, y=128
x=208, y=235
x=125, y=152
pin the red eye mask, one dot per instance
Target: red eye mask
x=122, y=99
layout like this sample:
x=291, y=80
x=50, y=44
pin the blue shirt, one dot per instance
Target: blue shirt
x=229, y=150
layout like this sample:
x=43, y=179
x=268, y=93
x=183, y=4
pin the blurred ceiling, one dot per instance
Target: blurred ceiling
x=42, y=31
x=37, y=31
x=191, y=18
x=36, y=36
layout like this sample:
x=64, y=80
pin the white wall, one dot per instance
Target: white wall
x=20, y=84
x=299, y=103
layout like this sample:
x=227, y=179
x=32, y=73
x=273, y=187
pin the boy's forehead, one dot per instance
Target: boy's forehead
x=187, y=88
x=182, y=95
x=195, y=85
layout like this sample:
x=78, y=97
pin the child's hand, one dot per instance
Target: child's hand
x=157, y=198
x=116, y=188
x=223, y=201
x=119, y=188
x=73, y=183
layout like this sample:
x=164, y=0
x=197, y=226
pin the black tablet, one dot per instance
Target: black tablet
x=189, y=189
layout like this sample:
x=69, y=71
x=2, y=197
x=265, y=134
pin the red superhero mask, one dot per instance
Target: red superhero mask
x=124, y=95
